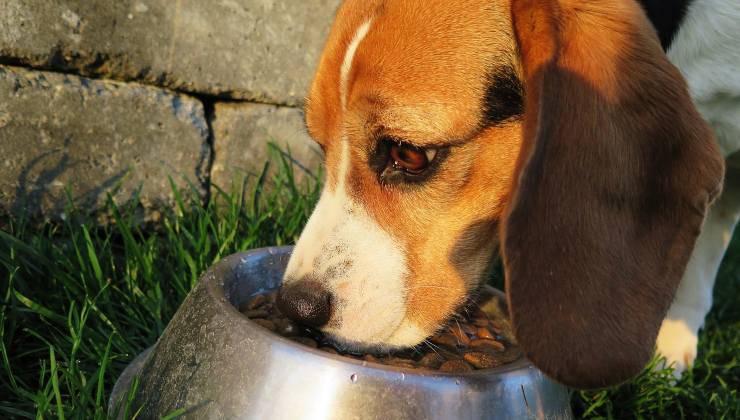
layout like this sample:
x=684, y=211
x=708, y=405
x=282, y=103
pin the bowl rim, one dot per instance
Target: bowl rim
x=216, y=291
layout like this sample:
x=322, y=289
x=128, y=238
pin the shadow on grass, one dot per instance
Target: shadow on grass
x=80, y=301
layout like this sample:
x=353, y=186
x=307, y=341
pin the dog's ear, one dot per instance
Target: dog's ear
x=616, y=174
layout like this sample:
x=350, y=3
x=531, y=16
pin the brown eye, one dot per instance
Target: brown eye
x=411, y=159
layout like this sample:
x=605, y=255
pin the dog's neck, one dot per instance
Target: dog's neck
x=666, y=17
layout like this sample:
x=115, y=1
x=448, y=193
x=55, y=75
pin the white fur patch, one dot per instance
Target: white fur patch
x=361, y=264
x=364, y=268
x=406, y=334
x=706, y=49
x=677, y=343
x=348, y=59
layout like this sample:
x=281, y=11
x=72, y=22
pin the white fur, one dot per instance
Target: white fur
x=706, y=50
x=364, y=268
x=678, y=335
x=371, y=295
x=407, y=334
x=349, y=57
x=360, y=263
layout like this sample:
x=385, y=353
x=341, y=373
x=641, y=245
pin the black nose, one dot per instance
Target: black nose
x=305, y=302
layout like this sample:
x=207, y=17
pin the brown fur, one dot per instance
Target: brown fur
x=396, y=90
x=615, y=177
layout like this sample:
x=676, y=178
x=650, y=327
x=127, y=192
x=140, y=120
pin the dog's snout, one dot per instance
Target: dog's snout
x=305, y=302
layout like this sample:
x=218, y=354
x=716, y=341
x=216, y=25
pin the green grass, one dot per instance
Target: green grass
x=79, y=302
x=710, y=390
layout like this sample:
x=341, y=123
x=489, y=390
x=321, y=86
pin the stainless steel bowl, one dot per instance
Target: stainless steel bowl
x=215, y=363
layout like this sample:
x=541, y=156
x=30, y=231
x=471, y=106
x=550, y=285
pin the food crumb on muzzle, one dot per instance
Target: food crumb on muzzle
x=480, y=340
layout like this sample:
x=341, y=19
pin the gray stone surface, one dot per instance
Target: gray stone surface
x=263, y=50
x=242, y=132
x=60, y=131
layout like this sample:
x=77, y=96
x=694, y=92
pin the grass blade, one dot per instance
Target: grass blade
x=55, y=384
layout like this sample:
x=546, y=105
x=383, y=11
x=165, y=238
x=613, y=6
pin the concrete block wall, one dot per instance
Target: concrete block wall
x=111, y=96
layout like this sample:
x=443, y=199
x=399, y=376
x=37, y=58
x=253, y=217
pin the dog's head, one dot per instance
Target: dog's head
x=554, y=131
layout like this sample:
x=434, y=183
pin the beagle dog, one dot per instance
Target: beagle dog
x=556, y=133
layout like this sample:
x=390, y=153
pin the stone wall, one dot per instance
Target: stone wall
x=117, y=96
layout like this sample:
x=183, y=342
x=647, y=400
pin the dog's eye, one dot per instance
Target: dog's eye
x=399, y=163
x=411, y=159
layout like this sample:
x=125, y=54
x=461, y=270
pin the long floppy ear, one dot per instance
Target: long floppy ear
x=616, y=174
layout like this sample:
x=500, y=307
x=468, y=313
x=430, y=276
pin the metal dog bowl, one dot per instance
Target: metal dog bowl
x=213, y=362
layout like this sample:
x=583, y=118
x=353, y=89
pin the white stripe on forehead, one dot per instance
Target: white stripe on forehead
x=343, y=95
x=346, y=250
x=348, y=58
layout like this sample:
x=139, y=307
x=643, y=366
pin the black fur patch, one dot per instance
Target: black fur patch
x=666, y=16
x=503, y=99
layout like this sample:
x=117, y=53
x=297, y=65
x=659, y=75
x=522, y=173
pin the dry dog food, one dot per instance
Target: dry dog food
x=479, y=341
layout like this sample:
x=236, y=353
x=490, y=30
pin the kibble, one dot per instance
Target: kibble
x=481, y=322
x=455, y=366
x=460, y=335
x=485, y=360
x=400, y=362
x=488, y=345
x=467, y=344
x=483, y=332
x=265, y=323
x=256, y=302
x=257, y=314
x=445, y=340
x=480, y=360
x=370, y=358
x=431, y=361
